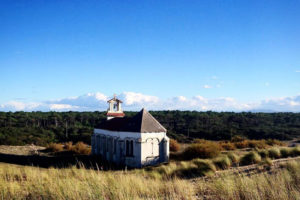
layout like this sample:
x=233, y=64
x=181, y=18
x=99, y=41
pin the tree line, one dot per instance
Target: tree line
x=41, y=128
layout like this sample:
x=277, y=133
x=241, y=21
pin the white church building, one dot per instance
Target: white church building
x=131, y=141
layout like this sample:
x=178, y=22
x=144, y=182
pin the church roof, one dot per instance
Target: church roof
x=142, y=122
x=115, y=99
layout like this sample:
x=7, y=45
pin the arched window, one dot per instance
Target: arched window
x=115, y=145
x=129, y=147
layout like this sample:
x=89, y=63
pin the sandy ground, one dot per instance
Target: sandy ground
x=21, y=150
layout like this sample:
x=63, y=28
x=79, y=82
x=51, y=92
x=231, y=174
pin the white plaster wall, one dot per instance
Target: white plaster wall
x=147, y=146
x=143, y=150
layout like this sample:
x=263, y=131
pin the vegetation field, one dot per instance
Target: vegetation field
x=25, y=182
x=42, y=128
x=264, y=169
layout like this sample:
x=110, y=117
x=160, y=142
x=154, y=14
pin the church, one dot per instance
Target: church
x=136, y=141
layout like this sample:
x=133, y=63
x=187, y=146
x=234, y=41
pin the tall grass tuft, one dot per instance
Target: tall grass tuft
x=222, y=162
x=274, y=153
x=202, y=150
x=295, y=151
x=233, y=157
x=250, y=158
x=263, y=153
x=285, y=152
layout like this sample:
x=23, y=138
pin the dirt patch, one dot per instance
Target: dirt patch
x=21, y=150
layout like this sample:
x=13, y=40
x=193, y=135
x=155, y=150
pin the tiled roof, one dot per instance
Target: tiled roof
x=142, y=122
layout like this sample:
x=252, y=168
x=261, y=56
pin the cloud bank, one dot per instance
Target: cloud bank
x=135, y=101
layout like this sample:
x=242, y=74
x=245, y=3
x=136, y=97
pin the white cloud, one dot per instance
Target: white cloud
x=132, y=98
x=267, y=84
x=283, y=104
x=297, y=71
x=207, y=86
x=214, y=77
x=62, y=107
x=135, y=101
x=20, y=106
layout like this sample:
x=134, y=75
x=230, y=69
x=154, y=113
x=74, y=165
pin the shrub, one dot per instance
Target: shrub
x=285, y=152
x=233, y=157
x=69, y=146
x=273, y=142
x=266, y=162
x=274, y=153
x=227, y=145
x=250, y=158
x=295, y=151
x=242, y=144
x=263, y=153
x=261, y=144
x=202, y=150
x=222, y=162
x=55, y=147
x=197, y=140
x=174, y=145
x=81, y=148
x=237, y=138
x=204, y=165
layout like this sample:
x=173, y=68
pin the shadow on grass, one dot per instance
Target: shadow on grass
x=59, y=161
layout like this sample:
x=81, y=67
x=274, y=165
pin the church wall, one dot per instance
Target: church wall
x=143, y=151
x=153, y=144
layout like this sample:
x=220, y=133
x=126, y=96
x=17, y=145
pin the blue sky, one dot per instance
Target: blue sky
x=248, y=51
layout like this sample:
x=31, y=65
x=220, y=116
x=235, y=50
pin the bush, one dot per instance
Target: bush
x=202, y=150
x=273, y=142
x=195, y=168
x=261, y=144
x=68, y=146
x=274, y=153
x=227, y=146
x=242, y=144
x=263, y=153
x=174, y=145
x=237, y=138
x=285, y=152
x=266, y=162
x=233, y=157
x=222, y=162
x=204, y=165
x=250, y=158
x=81, y=148
x=295, y=151
x=197, y=140
x=55, y=147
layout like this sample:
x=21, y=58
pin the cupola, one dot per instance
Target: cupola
x=115, y=108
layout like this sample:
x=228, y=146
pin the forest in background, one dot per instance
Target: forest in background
x=42, y=128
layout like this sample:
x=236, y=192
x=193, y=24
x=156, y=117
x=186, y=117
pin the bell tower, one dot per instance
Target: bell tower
x=115, y=108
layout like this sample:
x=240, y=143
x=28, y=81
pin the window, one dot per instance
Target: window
x=115, y=106
x=115, y=145
x=129, y=147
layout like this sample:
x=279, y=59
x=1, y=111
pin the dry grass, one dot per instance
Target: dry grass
x=250, y=158
x=202, y=150
x=78, y=148
x=81, y=148
x=240, y=143
x=174, y=145
x=55, y=147
x=35, y=183
x=18, y=182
